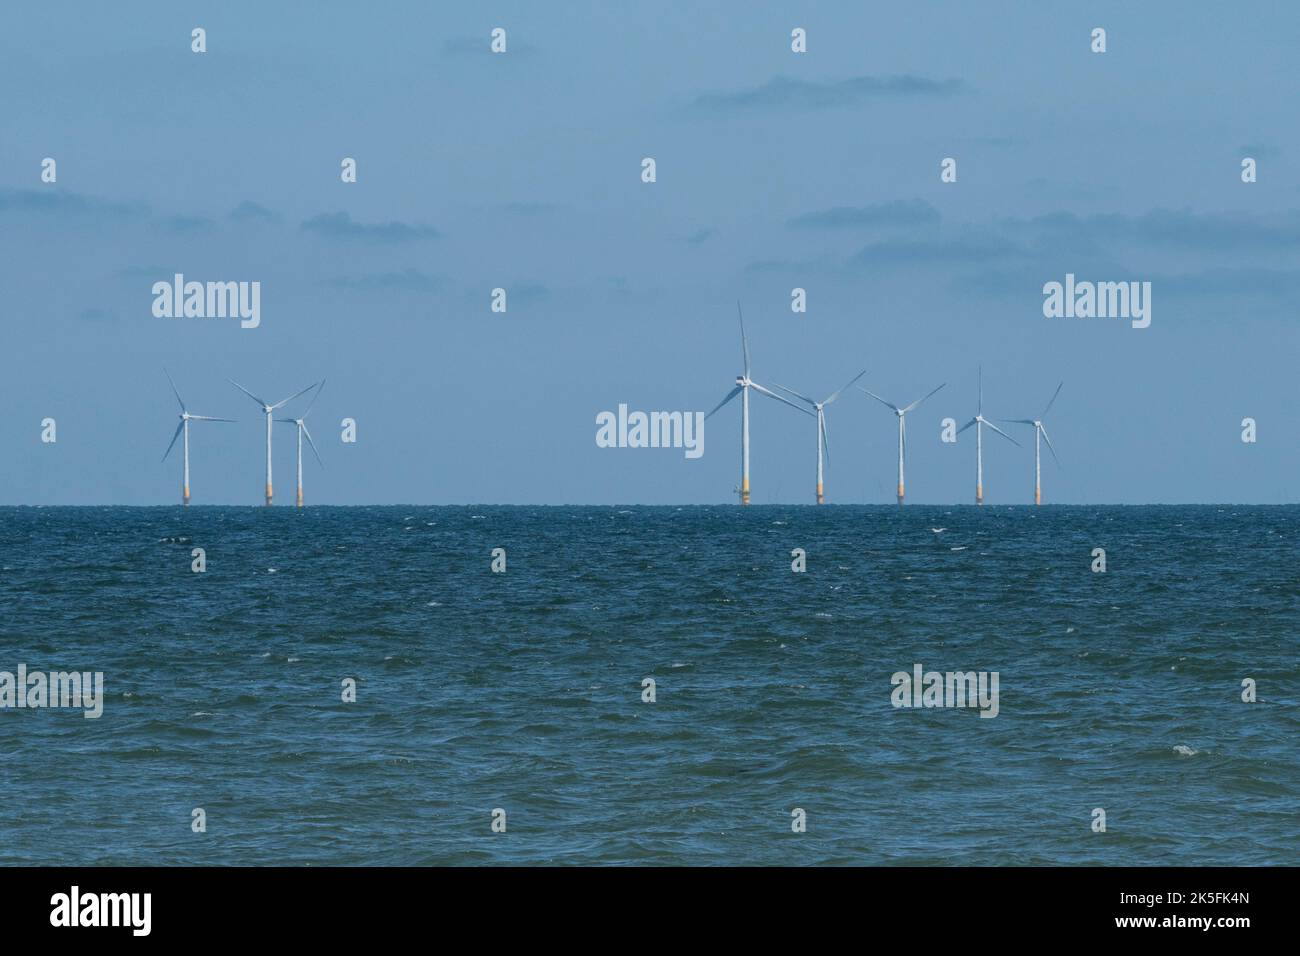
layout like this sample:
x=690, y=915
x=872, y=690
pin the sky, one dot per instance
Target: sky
x=775, y=170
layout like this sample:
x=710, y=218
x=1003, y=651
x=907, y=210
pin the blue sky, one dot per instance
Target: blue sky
x=775, y=170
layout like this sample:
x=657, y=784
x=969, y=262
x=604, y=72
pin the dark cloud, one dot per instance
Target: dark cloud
x=700, y=235
x=340, y=225
x=782, y=92
x=482, y=46
x=526, y=292
x=412, y=279
x=1173, y=228
x=250, y=211
x=530, y=208
x=151, y=272
x=1260, y=151
x=188, y=225
x=966, y=249
x=1281, y=284
x=897, y=212
x=55, y=201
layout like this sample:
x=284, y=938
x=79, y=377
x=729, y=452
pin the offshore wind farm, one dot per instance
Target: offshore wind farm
x=508, y=617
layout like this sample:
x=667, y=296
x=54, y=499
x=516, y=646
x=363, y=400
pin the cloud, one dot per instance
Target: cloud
x=248, y=211
x=700, y=235
x=530, y=208
x=1281, y=284
x=481, y=46
x=782, y=92
x=974, y=248
x=1260, y=151
x=340, y=225
x=1174, y=228
x=55, y=201
x=527, y=292
x=897, y=212
x=412, y=279
x=188, y=225
x=151, y=272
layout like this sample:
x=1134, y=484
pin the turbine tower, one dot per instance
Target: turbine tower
x=184, y=428
x=1040, y=432
x=301, y=422
x=979, y=421
x=823, y=440
x=267, y=409
x=902, y=430
x=743, y=384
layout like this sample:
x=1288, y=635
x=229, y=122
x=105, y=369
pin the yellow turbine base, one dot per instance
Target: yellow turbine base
x=299, y=497
x=979, y=494
x=821, y=498
x=185, y=495
x=1038, y=496
x=268, y=494
x=744, y=491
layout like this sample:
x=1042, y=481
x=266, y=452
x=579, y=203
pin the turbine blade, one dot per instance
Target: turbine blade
x=291, y=421
x=1049, y=445
x=879, y=399
x=902, y=430
x=1049, y=404
x=771, y=394
x=795, y=394
x=175, y=435
x=981, y=375
x=314, y=397
x=744, y=342
x=826, y=439
x=206, y=418
x=246, y=392
x=312, y=443
x=920, y=400
x=1001, y=432
x=174, y=392
x=730, y=395
x=966, y=426
x=1017, y=421
x=294, y=395
x=842, y=387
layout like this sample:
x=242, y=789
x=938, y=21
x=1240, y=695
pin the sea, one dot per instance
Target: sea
x=653, y=685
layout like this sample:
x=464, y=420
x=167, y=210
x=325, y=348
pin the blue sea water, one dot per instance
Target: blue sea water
x=523, y=690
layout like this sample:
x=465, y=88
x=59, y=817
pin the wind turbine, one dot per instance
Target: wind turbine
x=979, y=421
x=822, y=438
x=268, y=408
x=743, y=384
x=302, y=430
x=1039, y=432
x=184, y=427
x=902, y=430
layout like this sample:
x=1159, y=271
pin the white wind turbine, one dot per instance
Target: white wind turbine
x=743, y=384
x=1040, y=432
x=267, y=409
x=979, y=421
x=301, y=422
x=184, y=428
x=823, y=440
x=902, y=430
